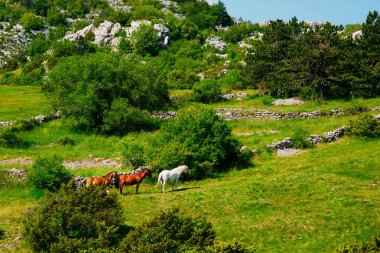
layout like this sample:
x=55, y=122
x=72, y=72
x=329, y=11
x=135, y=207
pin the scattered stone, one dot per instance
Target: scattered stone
x=90, y=163
x=289, y=101
x=20, y=174
x=164, y=115
x=334, y=135
x=79, y=182
x=234, y=96
x=376, y=117
x=6, y=123
x=288, y=152
x=338, y=112
x=284, y=144
x=316, y=139
x=19, y=160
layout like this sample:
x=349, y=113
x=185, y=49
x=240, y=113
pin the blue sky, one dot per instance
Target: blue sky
x=335, y=11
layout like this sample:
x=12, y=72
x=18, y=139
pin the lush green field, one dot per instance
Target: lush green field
x=315, y=201
x=21, y=102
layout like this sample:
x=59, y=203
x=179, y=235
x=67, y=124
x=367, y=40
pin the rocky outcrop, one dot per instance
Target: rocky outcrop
x=107, y=33
x=237, y=113
x=237, y=96
x=284, y=144
x=164, y=115
x=288, y=152
x=334, y=135
x=20, y=174
x=40, y=119
x=316, y=139
x=216, y=42
x=13, y=42
x=119, y=5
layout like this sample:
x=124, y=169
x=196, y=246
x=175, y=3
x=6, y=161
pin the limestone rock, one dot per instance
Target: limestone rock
x=216, y=42
x=284, y=144
x=334, y=135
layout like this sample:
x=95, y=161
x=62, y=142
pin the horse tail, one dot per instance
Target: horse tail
x=159, y=180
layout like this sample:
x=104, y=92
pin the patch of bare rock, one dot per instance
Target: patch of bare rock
x=288, y=152
x=92, y=162
x=288, y=101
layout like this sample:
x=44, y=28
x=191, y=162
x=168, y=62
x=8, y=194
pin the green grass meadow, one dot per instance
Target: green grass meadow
x=323, y=198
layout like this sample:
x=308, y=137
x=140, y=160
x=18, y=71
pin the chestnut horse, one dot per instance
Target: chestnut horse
x=104, y=180
x=131, y=179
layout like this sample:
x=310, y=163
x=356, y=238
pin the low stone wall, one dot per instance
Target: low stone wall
x=39, y=118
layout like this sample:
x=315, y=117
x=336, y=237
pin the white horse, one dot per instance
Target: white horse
x=171, y=175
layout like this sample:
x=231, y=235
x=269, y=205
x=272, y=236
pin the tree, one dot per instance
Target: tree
x=87, y=89
x=145, y=41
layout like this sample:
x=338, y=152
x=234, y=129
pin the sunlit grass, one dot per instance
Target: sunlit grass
x=22, y=102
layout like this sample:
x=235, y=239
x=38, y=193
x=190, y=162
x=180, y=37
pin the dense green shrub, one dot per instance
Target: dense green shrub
x=170, y=231
x=199, y=139
x=48, y=173
x=133, y=153
x=2, y=233
x=31, y=21
x=122, y=118
x=206, y=91
x=366, y=247
x=145, y=41
x=74, y=220
x=11, y=139
x=95, y=89
x=66, y=140
x=365, y=126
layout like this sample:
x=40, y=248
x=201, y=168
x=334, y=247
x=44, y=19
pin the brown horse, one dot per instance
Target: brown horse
x=131, y=179
x=104, y=180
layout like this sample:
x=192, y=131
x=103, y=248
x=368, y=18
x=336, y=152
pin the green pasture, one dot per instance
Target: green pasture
x=316, y=201
x=22, y=102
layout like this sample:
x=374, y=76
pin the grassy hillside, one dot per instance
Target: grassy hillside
x=315, y=201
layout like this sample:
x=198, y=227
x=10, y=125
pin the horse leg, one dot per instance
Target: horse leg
x=163, y=186
x=121, y=189
x=137, y=188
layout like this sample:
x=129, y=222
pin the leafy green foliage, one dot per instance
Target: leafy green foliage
x=206, y=91
x=299, y=139
x=365, y=126
x=74, y=220
x=133, y=153
x=48, y=173
x=95, y=88
x=31, y=22
x=199, y=139
x=122, y=118
x=170, y=231
x=66, y=140
x=2, y=233
x=294, y=60
x=10, y=138
x=145, y=41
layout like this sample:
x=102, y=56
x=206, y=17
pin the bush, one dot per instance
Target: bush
x=366, y=247
x=104, y=92
x=66, y=141
x=206, y=91
x=365, y=126
x=74, y=220
x=122, y=118
x=170, y=231
x=299, y=139
x=10, y=139
x=133, y=153
x=199, y=139
x=31, y=22
x=48, y=173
